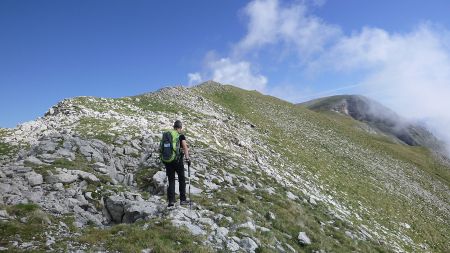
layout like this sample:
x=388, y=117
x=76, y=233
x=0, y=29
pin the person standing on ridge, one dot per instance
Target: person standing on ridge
x=173, y=147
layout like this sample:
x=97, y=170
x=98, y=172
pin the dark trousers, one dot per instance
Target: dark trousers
x=171, y=168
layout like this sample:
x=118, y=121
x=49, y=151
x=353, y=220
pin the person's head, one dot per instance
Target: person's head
x=177, y=125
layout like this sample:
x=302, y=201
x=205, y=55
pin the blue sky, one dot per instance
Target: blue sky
x=51, y=50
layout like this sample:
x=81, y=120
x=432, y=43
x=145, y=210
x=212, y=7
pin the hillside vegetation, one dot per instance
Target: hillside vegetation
x=267, y=176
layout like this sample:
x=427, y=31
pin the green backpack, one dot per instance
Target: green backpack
x=169, y=147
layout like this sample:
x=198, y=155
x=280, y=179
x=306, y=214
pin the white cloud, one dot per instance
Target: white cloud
x=409, y=72
x=194, y=78
x=238, y=73
x=271, y=23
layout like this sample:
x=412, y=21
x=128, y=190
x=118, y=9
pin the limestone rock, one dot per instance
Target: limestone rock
x=248, y=244
x=304, y=239
x=34, y=160
x=34, y=179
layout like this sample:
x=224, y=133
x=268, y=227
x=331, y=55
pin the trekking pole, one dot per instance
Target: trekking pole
x=189, y=181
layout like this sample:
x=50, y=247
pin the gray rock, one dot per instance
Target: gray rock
x=50, y=241
x=48, y=158
x=291, y=196
x=86, y=175
x=304, y=239
x=249, y=224
x=232, y=246
x=248, y=244
x=65, y=153
x=34, y=178
x=58, y=187
x=263, y=229
x=270, y=216
x=159, y=182
x=62, y=177
x=34, y=160
x=349, y=234
x=47, y=146
x=100, y=167
x=120, y=177
x=312, y=200
x=85, y=217
x=22, y=170
x=290, y=247
x=193, y=228
x=123, y=210
x=34, y=196
x=115, y=206
x=90, y=153
x=88, y=195
x=135, y=210
x=5, y=188
x=4, y=215
x=222, y=232
x=130, y=151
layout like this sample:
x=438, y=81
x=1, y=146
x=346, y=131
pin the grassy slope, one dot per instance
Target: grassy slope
x=326, y=145
x=315, y=134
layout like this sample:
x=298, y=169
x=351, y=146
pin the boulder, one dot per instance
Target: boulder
x=159, y=182
x=232, y=246
x=34, y=160
x=304, y=239
x=270, y=215
x=115, y=205
x=66, y=153
x=135, y=210
x=34, y=179
x=90, y=153
x=5, y=188
x=62, y=177
x=47, y=146
x=123, y=210
x=248, y=244
x=86, y=176
x=249, y=225
x=291, y=196
x=127, y=150
x=4, y=215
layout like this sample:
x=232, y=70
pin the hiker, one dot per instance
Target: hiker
x=173, y=148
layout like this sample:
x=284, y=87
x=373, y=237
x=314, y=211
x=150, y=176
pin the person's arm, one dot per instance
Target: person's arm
x=185, y=148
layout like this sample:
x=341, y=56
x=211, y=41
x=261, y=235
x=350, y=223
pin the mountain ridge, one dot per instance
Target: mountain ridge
x=379, y=119
x=340, y=187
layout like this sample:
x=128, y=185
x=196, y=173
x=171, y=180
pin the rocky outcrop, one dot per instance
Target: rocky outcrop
x=129, y=207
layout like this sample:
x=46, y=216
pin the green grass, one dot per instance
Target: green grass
x=150, y=103
x=288, y=125
x=161, y=236
x=5, y=149
x=144, y=178
x=29, y=224
x=96, y=128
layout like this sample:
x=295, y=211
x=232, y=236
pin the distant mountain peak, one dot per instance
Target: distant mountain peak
x=378, y=117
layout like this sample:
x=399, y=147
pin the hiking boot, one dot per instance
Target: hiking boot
x=184, y=203
x=170, y=204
